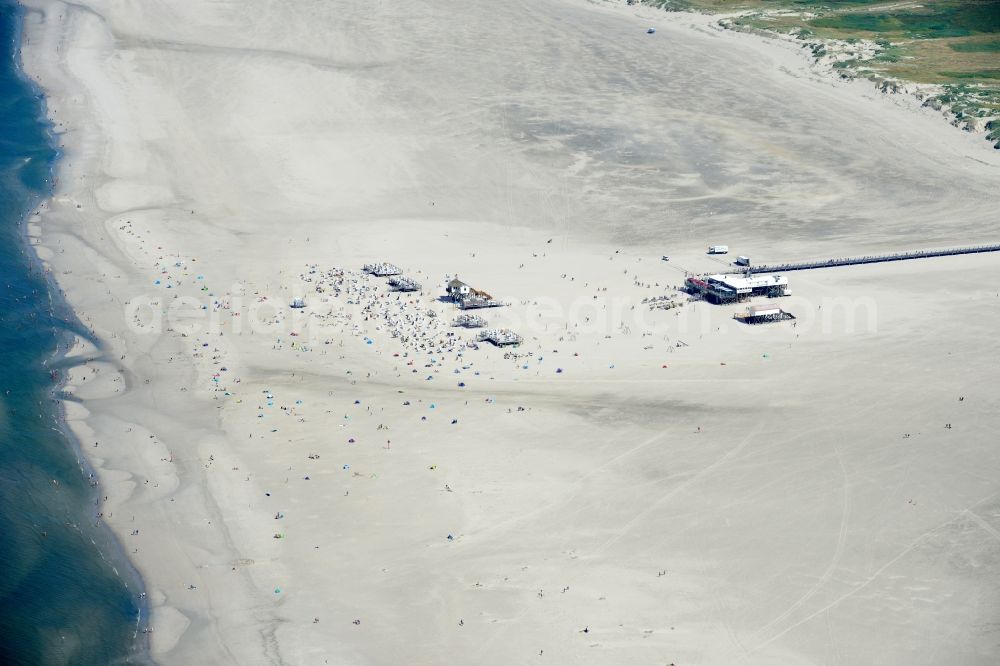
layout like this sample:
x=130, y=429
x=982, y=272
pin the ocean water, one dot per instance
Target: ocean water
x=67, y=595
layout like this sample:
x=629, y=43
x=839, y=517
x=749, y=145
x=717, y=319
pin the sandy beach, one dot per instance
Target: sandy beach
x=644, y=480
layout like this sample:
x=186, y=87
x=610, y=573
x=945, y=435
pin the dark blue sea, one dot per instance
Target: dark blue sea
x=67, y=594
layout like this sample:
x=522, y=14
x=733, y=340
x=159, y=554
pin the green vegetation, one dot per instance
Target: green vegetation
x=990, y=46
x=934, y=20
x=889, y=53
x=951, y=43
x=981, y=74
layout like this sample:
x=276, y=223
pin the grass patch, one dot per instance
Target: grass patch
x=934, y=61
x=813, y=4
x=890, y=54
x=936, y=20
x=981, y=74
x=989, y=46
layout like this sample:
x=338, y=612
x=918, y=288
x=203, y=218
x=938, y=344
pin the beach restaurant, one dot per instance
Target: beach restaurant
x=721, y=289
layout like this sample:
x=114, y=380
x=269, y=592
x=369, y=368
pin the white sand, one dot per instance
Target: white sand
x=687, y=489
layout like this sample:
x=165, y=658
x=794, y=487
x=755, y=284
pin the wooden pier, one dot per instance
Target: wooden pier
x=871, y=259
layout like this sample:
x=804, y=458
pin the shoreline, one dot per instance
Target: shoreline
x=99, y=350
x=193, y=448
x=105, y=542
x=62, y=358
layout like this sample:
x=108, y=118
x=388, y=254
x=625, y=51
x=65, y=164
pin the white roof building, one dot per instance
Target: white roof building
x=743, y=284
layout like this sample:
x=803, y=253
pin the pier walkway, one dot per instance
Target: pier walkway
x=872, y=259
